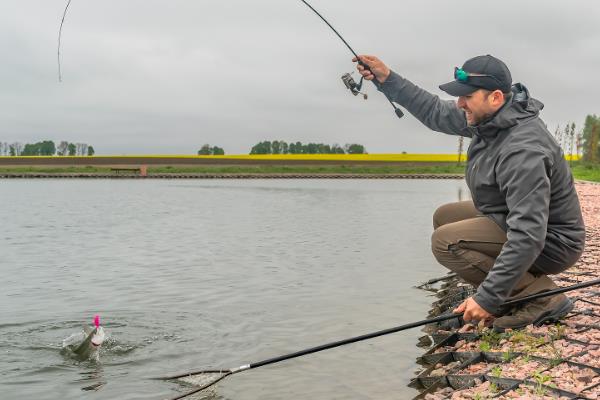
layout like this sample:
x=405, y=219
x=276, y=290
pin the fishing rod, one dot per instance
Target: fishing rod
x=349, y=82
x=207, y=378
x=62, y=21
x=347, y=78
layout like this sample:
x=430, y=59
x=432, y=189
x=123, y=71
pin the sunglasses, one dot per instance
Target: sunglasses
x=463, y=76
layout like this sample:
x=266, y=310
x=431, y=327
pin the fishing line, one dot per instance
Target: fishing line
x=349, y=82
x=60, y=37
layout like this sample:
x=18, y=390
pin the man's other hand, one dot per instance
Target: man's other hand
x=472, y=311
x=376, y=68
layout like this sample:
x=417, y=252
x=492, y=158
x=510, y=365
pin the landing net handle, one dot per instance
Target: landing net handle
x=221, y=374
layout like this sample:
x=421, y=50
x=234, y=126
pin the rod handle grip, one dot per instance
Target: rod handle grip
x=365, y=66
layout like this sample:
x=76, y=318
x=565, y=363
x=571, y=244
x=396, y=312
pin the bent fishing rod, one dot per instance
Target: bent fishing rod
x=347, y=78
x=210, y=377
x=349, y=82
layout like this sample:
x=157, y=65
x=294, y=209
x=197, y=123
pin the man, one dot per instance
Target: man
x=524, y=221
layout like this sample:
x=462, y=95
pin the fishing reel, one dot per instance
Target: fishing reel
x=353, y=86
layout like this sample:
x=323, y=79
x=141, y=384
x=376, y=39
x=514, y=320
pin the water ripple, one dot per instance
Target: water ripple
x=213, y=274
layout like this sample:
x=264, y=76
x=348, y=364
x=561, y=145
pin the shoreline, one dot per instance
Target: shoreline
x=75, y=175
x=552, y=361
x=209, y=168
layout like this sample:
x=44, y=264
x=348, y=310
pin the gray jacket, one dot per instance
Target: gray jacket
x=518, y=177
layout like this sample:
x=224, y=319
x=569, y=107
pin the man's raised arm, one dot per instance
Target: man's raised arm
x=438, y=115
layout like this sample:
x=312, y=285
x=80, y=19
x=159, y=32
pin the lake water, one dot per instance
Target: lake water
x=195, y=274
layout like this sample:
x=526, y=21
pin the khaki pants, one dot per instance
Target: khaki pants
x=466, y=242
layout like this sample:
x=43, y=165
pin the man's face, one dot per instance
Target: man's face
x=478, y=106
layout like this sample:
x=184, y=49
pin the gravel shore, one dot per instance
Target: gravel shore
x=548, y=362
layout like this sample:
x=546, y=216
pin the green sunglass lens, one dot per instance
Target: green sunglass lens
x=461, y=75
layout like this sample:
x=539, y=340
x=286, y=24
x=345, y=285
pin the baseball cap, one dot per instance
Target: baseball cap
x=481, y=72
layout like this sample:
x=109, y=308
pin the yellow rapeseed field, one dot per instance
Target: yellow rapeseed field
x=315, y=157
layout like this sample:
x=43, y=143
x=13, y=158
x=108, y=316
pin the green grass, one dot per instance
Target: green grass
x=450, y=168
x=581, y=170
x=322, y=169
x=56, y=170
x=586, y=171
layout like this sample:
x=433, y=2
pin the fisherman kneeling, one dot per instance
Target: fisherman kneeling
x=524, y=222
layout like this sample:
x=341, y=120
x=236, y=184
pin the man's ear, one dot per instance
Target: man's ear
x=497, y=98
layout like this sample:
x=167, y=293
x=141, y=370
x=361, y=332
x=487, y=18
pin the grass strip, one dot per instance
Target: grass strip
x=451, y=168
x=586, y=171
x=583, y=171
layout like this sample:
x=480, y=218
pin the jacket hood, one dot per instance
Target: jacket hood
x=520, y=106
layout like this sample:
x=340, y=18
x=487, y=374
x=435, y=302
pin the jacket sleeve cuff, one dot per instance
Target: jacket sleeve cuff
x=389, y=84
x=487, y=304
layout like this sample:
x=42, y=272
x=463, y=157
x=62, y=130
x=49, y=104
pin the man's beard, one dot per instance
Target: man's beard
x=478, y=120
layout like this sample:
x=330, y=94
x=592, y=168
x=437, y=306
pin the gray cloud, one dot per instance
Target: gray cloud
x=149, y=76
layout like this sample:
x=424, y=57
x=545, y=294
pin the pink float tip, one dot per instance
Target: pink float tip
x=96, y=320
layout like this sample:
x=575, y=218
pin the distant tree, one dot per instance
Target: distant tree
x=47, y=148
x=337, y=149
x=571, y=142
x=565, y=137
x=591, y=137
x=204, y=150
x=62, y=148
x=281, y=147
x=276, y=147
x=81, y=149
x=557, y=135
x=323, y=148
x=72, y=149
x=91, y=151
x=579, y=143
x=594, y=156
x=207, y=150
x=31, y=149
x=262, y=148
x=355, y=148
x=460, y=148
x=218, y=151
x=15, y=149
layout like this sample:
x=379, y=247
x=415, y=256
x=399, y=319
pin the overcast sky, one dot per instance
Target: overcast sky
x=166, y=76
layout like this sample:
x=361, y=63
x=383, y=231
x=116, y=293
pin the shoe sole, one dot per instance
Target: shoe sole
x=550, y=316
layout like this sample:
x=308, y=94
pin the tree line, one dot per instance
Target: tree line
x=208, y=150
x=569, y=139
x=281, y=147
x=46, y=148
x=590, y=137
x=585, y=142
